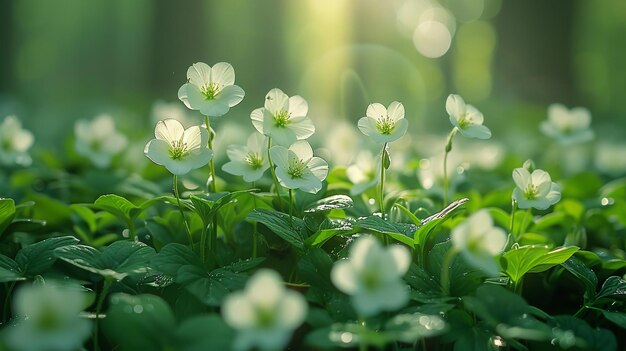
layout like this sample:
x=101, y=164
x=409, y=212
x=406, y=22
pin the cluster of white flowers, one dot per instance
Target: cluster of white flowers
x=98, y=140
x=14, y=142
x=47, y=318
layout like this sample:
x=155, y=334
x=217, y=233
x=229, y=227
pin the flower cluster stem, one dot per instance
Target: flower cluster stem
x=445, y=165
x=362, y=343
x=381, y=194
x=103, y=294
x=182, y=213
x=291, y=206
x=273, y=171
x=211, y=186
x=445, y=271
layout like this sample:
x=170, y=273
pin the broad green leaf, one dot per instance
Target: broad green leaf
x=291, y=229
x=409, y=328
x=314, y=268
x=7, y=213
x=550, y=220
x=9, y=270
x=584, y=274
x=87, y=215
x=140, y=322
x=386, y=158
x=172, y=257
x=619, y=318
x=533, y=258
x=121, y=259
x=37, y=258
x=345, y=335
x=402, y=232
x=464, y=279
x=322, y=236
x=212, y=287
x=330, y=203
x=118, y=206
x=431, y=222
x=206, y=206
x=424, y=286
x=206, y=332
x=614, y=287
x=586, y=337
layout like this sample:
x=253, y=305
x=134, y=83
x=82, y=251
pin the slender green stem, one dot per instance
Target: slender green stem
x=445, y=165
x=513, y=210
x=211, y=186
x=182, y=213
x=529, y=214
x=255, y=234
x=103, y=294
x=362, y=343
x=445, y=271
x=273, y=171
x=381, y=194
x=580, y=311
x=291, y=206
x=7, y=300
x=516, y=287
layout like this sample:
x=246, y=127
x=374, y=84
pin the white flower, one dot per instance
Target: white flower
x=211, y=90
x=48, y=319
x=535, y=189
x=567, y=126
x=382, y=124
x=248, y=161
x=372, y=275
x=297, y=168
x=265, y=313
x=98, y=140
x=364, y=173
x=466, y=118
x=479, y=241
x=14, y=142
x=283, y=118
x=179, y=150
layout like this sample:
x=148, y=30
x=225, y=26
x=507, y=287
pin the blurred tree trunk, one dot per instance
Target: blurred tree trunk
x=534, y=56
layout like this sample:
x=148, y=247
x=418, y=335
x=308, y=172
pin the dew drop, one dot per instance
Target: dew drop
x=138, y=309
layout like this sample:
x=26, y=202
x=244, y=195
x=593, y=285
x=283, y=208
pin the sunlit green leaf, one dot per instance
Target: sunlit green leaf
x=533, y=258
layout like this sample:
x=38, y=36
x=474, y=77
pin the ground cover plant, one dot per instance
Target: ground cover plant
x=274, y=248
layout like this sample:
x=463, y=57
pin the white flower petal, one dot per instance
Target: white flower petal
x=376, y=111
x=298, y=107
x=258, y=117
x=276, y=101
x=199, y=74
x=238, y=311
x=309, y=183
x=223, y=74
x=292, y=311
x=364, y=248
x=280, y=135
x=183, y=96
x=195, y=137
x=265, y=289
x=474, y=115
x=158, y=151
x=214, y=108
x=302, y=127
x=237, y=168
x=395, y=111
x=476, y=131
x=257, y=143
x=455, y=106
x=521, y=177
x=302, y=150
x=318, y=167
x=367, y=126
x=280, y=156
x=231, y=95
x=169, y=130
x=344, y=277
x=401, y=258
x=494, y=241
x=237, y=152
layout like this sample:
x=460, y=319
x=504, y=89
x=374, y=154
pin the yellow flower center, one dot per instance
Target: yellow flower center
x=385, y=125
x=254, y=160
x=371, y=279
x=465, y=121
x=178, y=150
x=531, y=192
x=296, y=168
x=281, y=119
x=210, y=91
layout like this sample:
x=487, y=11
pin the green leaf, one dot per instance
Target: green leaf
x=291, y=229
x=206, y=206
x=206, y=332
x=586, y=337
x=402, y=232
x=314, y=268
x=431, y=222
x=533, y=259
x=118, y=206
x=330, y=203
x=174, y=256
x=409, y=328
x=212, y=287
x=386, y=158
x=584, y=274
x=7, y=213
x=9, y=270
x=424, y=286
x=619, y=318
x=121, y=259
x=613, y=287
x=37, y=258
x=141, y=322
x=464, y=279
x=87, y=215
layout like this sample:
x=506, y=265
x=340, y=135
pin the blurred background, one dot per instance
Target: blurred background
x=61, y=61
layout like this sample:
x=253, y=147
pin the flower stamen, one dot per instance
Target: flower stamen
x=178, y=150
x=282, y=119
x=211, y=90
x=385, y=125
x=296, y=168
x=254, y=160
